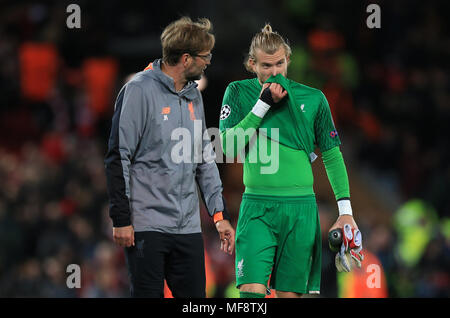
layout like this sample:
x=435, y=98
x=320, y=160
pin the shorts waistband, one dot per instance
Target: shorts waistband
x=298, y=191
x=310, y=198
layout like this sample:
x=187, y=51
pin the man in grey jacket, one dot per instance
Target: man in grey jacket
x=153, y=195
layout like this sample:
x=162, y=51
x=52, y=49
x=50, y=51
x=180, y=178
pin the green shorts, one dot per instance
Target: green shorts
x=279, y=237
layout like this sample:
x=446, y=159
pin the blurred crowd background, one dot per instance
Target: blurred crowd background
x=388, y=89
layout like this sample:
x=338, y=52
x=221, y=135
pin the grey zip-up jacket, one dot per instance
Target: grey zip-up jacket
x=148, y=186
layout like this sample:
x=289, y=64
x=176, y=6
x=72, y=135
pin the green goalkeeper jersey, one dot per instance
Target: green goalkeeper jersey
x=300, y=122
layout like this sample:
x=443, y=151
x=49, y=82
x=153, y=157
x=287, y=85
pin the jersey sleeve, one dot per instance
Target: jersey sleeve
x=230, y=113
x=326, y=134
x=336, y=172
x=236, y=127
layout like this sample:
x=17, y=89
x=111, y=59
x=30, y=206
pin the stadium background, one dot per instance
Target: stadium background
x=388, y=90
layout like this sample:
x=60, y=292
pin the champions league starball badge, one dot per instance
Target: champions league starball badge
x=225, y=112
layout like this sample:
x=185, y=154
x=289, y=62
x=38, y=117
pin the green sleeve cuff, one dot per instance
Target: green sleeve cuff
x=336, y=172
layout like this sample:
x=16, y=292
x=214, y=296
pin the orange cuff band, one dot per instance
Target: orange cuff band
x=218, y=217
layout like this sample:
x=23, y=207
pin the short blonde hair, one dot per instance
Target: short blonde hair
x=267, y=41
x=185, y=36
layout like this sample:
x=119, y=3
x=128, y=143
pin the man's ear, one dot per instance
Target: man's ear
x=184, y=59
x=252, y=64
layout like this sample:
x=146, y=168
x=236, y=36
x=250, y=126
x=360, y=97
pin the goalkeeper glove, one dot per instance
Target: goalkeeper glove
x=265, y=102
x=266, y=96
x=350, y=249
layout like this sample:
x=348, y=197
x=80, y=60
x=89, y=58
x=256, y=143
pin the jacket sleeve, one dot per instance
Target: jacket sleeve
x=208, y=177
x=128, y=123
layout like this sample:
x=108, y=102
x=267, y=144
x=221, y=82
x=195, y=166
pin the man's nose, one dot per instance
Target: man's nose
x=274, y=71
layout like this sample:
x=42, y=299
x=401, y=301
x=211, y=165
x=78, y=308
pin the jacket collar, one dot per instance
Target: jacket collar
x=189, y=91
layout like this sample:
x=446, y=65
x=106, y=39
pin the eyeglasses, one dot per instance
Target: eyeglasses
x=206, y=57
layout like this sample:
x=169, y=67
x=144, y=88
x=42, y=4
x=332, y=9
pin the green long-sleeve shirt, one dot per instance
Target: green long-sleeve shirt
x=275, y=159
